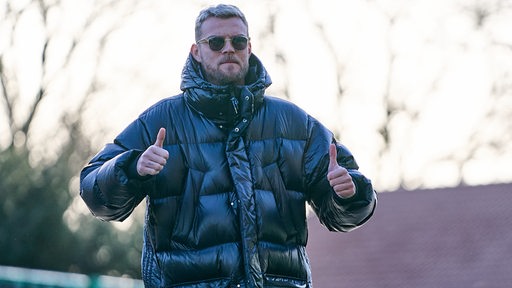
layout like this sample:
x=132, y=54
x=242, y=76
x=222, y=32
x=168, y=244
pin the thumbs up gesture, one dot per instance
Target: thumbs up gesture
x=338, y=176
x=153, y=160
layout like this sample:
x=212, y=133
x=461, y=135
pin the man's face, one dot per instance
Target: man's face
x=228, y=65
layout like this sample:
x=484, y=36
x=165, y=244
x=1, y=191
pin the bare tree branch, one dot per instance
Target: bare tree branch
x=46, y=79
x=5, y=94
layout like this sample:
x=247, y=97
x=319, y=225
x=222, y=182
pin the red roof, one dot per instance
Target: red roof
x=454, y=237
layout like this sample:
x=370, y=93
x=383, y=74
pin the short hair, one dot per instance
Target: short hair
x=223, y=11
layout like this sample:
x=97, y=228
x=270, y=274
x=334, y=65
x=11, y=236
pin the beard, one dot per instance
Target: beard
x=230, y=76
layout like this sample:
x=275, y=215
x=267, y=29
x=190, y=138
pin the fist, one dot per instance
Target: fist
x=153, y=160
x=338, y=176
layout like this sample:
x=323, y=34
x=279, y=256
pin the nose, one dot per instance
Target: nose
x=228, y=46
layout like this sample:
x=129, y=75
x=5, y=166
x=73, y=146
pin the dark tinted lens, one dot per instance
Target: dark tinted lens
x=239, y=42
x=216, y=43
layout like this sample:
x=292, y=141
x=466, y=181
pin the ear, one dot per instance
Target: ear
x=249, y=48
x=194, y=50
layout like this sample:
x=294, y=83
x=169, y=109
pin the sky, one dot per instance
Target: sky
x=427, y=60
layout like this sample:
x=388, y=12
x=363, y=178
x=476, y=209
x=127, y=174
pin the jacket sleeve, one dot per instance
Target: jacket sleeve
x=108, y=185
x=334, y=212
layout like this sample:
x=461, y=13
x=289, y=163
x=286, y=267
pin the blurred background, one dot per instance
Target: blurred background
x=420, y=91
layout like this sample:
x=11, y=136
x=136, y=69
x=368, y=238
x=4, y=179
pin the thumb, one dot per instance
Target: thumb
x=333, y=163
x=160, y=138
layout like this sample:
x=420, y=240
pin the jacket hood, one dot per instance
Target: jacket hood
x=222, y=104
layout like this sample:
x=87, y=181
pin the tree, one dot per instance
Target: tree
x=376, y=66
x=42, y=145
x=440, y=96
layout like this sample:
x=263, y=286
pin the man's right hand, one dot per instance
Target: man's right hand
x=153, y=160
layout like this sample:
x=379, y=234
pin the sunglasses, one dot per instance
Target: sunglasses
x=216, y=43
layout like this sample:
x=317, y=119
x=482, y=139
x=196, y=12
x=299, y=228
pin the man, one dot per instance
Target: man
x=226, y=173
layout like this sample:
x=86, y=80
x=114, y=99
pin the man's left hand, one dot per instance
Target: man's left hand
x=338, y=177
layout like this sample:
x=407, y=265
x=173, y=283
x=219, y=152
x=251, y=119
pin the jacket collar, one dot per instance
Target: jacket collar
x=224, y=105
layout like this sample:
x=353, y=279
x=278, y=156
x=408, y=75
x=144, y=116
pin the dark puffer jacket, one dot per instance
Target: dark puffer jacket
x=228, y=209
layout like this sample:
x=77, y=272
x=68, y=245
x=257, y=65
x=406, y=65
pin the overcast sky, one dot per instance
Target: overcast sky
x=428, y=58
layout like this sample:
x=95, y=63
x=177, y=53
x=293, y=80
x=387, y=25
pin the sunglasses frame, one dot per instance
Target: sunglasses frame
x=224, y=40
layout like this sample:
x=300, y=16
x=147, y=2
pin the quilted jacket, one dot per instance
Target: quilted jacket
x=229, y=208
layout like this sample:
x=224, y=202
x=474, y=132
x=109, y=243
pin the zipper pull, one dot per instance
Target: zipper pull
x=235, y=105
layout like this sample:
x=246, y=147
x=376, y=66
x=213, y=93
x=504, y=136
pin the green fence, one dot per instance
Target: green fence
x=14, y=277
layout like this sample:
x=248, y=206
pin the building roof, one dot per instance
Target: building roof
x=453, y=237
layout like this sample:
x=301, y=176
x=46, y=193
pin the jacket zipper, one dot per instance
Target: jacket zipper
x=234, y=101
